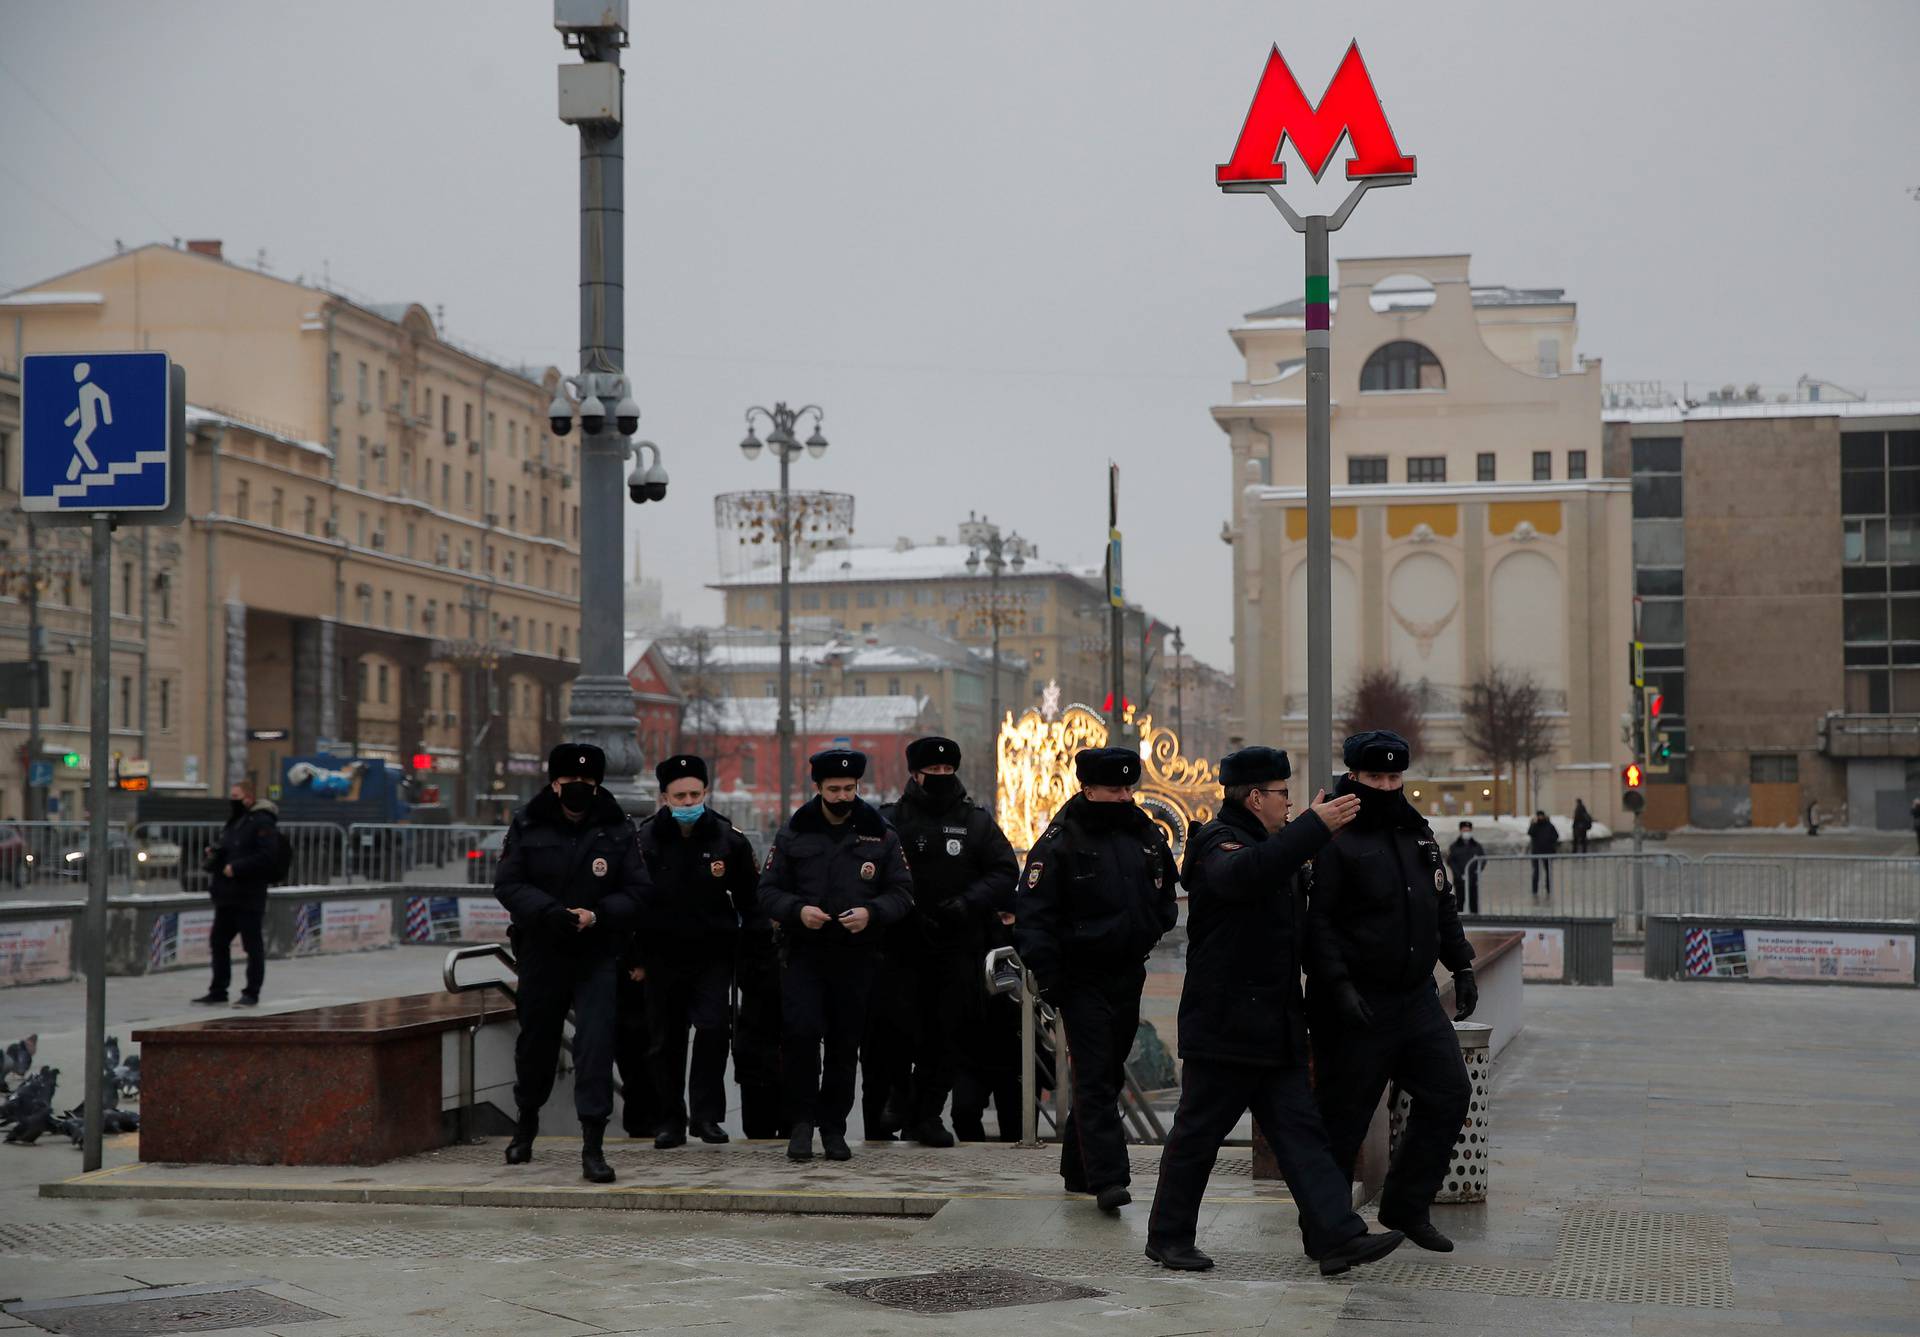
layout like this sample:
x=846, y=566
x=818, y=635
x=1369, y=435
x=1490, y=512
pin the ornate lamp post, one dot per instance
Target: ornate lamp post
x=996, y=547
x=786, y=446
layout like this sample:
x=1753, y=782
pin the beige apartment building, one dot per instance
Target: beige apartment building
x=382, y=552
x=1472, y=526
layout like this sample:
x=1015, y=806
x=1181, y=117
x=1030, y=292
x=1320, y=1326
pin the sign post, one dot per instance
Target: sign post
x=104, y=443
x=1348, y=110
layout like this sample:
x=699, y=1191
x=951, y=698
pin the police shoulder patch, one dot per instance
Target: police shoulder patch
x=1034, y=871
x=1231, y=845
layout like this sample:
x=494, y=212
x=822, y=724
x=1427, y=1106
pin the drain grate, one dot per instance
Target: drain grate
x=962, y=1290
x=1629, y=1257
x=163, y=1310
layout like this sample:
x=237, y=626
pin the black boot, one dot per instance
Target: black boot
x=931, y=1132
x=593, y=1162
x=1358, y=1250
x=1178, y=1257
x=1418, y=1227
x=520, y=1149
x=800, y=1145
x=835, y=1146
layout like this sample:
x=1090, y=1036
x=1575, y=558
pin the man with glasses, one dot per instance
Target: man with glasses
x=1243, y=1031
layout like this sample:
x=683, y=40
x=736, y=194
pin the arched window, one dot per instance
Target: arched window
x=1403, y=365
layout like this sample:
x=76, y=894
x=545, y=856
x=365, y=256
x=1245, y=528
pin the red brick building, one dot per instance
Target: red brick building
x=658, y=700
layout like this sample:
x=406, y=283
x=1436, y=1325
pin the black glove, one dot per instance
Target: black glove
x=952, y=914
x=1466, y=994
x=1351, y=1006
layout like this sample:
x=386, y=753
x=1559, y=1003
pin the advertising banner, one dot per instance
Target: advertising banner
x=1810, y=955
x=35, y=951
x=179, y=938
x=1543, y=954
x=342, y=926
x=456, y=919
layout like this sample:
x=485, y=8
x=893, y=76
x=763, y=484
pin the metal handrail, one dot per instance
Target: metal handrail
x=450, y=969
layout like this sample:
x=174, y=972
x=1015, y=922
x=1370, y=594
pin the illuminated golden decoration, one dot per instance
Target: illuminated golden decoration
x=1036, y=774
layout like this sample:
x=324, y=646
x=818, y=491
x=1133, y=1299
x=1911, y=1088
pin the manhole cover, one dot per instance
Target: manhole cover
x=163, y=1310
x=959, y=1291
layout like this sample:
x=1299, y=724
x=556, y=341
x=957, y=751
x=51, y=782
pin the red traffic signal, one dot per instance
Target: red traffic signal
x=1632, y=776
x=1654, y=702
x=422, y=761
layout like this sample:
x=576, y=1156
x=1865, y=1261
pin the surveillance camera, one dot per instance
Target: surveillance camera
x=626, y=417
x=637, y=486
x=593, y=415
x=560, y=415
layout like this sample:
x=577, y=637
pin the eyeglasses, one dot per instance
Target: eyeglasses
x=1282, y=791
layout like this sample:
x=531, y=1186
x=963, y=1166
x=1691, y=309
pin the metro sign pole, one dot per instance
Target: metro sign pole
x=1348, y=110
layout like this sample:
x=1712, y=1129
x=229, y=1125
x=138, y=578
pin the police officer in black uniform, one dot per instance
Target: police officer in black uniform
x=1380, y=913
x=572, y=876
x=834, y=876
x=705, y=884
x=1098, y=893
x=1243, y=1025
x=961, y=862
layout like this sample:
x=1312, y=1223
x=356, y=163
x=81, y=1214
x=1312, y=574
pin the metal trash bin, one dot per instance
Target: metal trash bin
x=1466, y=1179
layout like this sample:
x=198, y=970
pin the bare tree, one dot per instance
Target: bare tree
x=703, y=692
x=1504, y=718
x=1383, y=699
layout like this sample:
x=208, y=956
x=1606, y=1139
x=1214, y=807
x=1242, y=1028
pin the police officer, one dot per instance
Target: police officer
x=834, y=876
x=961, y=862
x=1097, y=894
x=572, y=876
x=1243, y=1026
x=1380, y=913
x=705, y=884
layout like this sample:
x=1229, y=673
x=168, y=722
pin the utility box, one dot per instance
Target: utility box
x=590, y=15
x=590, y=93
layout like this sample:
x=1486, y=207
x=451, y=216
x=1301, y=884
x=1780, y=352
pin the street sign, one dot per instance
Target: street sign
x=39, y=774
x=1348, y=110
x=1637, y=663
x=97, y=431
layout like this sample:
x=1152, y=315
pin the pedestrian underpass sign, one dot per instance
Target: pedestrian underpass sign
x=97, y=431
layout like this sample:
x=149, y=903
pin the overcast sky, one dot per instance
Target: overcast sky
x=985, y=236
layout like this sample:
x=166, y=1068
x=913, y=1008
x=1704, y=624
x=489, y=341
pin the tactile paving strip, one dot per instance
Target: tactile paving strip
x=1624, y=1257
x=174, y=1309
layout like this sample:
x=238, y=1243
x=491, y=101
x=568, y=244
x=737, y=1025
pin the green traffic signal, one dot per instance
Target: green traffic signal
x=72, y=760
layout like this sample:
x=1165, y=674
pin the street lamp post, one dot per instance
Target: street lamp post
x=782, y=420
x=1179, y=685
x=997, y=546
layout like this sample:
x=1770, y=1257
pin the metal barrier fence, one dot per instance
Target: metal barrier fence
x=57, y=852
x=1629, y=887
x=397, y=852
x=319, y=851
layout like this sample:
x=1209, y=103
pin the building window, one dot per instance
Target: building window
x=126, y=702
x=1576, y=464
x=837, y=599
x=1426, y=468
x=864, y=599
x=467, y=490
x=66, y=696
x=1402, y=365
x=242, y=496
x=1365, y=469
x=859, y=686
x=749, y=769
x=126, y=588
x=1543, y=468
x=361, y=384
x=1483, y=466
x=166, y=706
x=770, y=688
x=1774, y=769
x=893, y=686
x=410, y=609
x=1659, y=578
x=380, y=677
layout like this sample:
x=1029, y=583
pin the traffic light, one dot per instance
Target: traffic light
x=422, y=761
x=1632, y=776
x=72, y=761
x=1634, y=799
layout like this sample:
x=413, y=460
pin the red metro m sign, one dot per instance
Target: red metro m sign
x=1349, y=109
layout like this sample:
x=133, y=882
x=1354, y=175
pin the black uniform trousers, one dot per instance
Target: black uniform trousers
x=944, y=994
x=549, y=985
x=756, y=1048
x=989, y=1069
x=1410, y=1043
x=245, y=920
x=823, y=1007
x=632, y=1041
x=1213, y=1096
x=886, y=1049
x=1469, y=884
x=1102, y=1012
x=690, y=990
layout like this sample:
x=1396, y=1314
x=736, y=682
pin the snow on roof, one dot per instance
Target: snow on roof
x=1819, y=408
x=1288, y=315
x=196, y=414
x=815, y=715
x=933, y=561
x=52, y=299
x=726, y=656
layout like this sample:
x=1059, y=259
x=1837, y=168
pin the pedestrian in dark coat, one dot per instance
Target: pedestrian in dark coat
x=241, y=865
x=1582, y=824
x=962, y=866
x=1464, y=860
x=572, y=876
x=704, y=886
x=834, y=876
x=1243, y=1028
x=1098, y=893
x=1542, y=840
x=1379, y=917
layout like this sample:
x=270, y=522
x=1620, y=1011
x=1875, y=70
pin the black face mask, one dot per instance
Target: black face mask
x=1378, y=807
x=941, y=786
x=838, y=810
x=236, y=808
x=577, y=795
x=1107, y=816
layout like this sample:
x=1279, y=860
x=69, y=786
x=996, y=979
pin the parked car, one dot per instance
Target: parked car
x=484, y=858
x=126, y=858
x=16, y=863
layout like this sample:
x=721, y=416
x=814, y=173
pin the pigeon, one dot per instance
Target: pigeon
x=19, y=1055
x=30, y=1129
x=36, y=1093
x=127, y=1076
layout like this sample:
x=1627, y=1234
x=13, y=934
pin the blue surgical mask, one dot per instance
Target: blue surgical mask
x=688, y=816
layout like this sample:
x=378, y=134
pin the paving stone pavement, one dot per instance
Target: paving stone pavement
x=1669, y=1158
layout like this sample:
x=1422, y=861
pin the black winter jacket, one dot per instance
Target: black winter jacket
x=705, y=884
x=1541, y=837
x=1241, y=1002
x=249, y=845
x=551, y=865
x=962, y=868
x=811, y=863
x=1460, y=857
x=1094, y=896
x=1381, y=912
